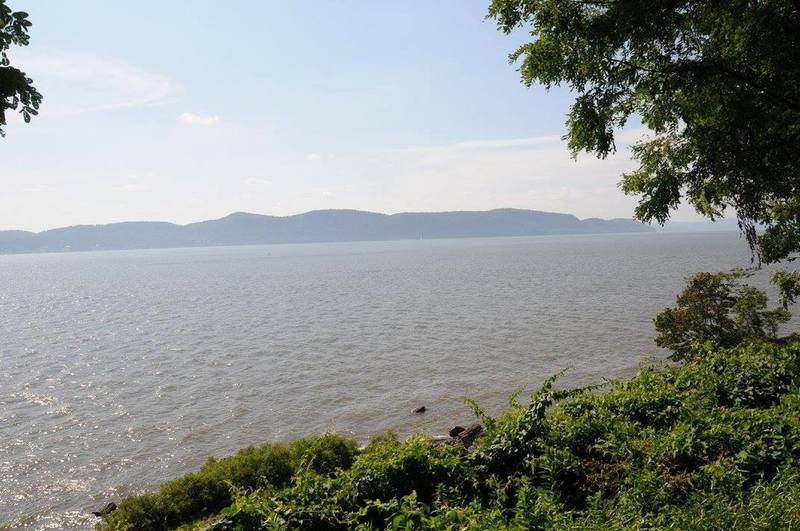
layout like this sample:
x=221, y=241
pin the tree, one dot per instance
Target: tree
x=717, y=307
x=16, y=88
x=788, y=284
x=717, y=82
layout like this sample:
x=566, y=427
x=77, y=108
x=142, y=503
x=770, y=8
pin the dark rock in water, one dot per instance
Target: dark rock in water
x=466, y=437
x=421, y=409
x=105, y=511
x=470, y=434
x=455, y=431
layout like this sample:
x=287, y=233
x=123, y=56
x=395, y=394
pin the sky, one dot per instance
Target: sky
x=189, y=110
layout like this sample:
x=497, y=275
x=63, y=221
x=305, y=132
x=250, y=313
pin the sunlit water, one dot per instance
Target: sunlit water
x=119, y=370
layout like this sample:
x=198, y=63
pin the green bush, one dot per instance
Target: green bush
x=311, y=502
x=390, y=470
x=324, y=454
x=208, y=491
x=720, y=308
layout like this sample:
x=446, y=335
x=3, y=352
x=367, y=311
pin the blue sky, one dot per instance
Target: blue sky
x=189, y=110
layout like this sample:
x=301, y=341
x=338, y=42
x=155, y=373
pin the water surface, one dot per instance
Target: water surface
x=119, y=370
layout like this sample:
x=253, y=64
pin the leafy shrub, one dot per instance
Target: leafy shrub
x=719, y=308
x=324, y=454
x=649, y=400
x=753, y=375
x=387, y=470
x=311, y=502
x=206, y=492
x=788, y=284
x=515, y=436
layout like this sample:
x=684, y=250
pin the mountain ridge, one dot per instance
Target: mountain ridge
x=316, y=226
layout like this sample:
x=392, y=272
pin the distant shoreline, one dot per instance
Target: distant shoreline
x=321, y=226
x=236, y=246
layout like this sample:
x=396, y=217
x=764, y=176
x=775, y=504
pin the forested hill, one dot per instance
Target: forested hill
x=242, y=228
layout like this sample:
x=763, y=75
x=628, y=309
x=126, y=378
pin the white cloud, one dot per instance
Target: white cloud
x=472, y=174
x=312, y=157
x=40, y=189
x=255, y=181
x=137, y=183
x=623, y=138
x=78, y=82
x=191, y=118
x=131, y=187
x=534, y=172
x=486, y=144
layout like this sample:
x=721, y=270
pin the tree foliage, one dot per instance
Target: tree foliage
x=788, y=284
x=17, y=92
x=717, y=82
x=719, y=308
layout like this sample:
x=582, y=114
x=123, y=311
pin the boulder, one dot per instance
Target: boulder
x=468, y=436
x=420, y=409
x=455, y=431
x=106, y=510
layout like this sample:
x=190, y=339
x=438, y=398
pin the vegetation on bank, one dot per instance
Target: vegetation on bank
x=712, y=442
x=215, y=485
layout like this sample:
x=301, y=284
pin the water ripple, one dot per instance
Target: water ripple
x=119, y=370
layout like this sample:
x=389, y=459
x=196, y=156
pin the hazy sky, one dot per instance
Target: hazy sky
x=189, y=110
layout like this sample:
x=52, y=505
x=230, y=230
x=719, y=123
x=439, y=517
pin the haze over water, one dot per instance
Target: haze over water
x=119, y=370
